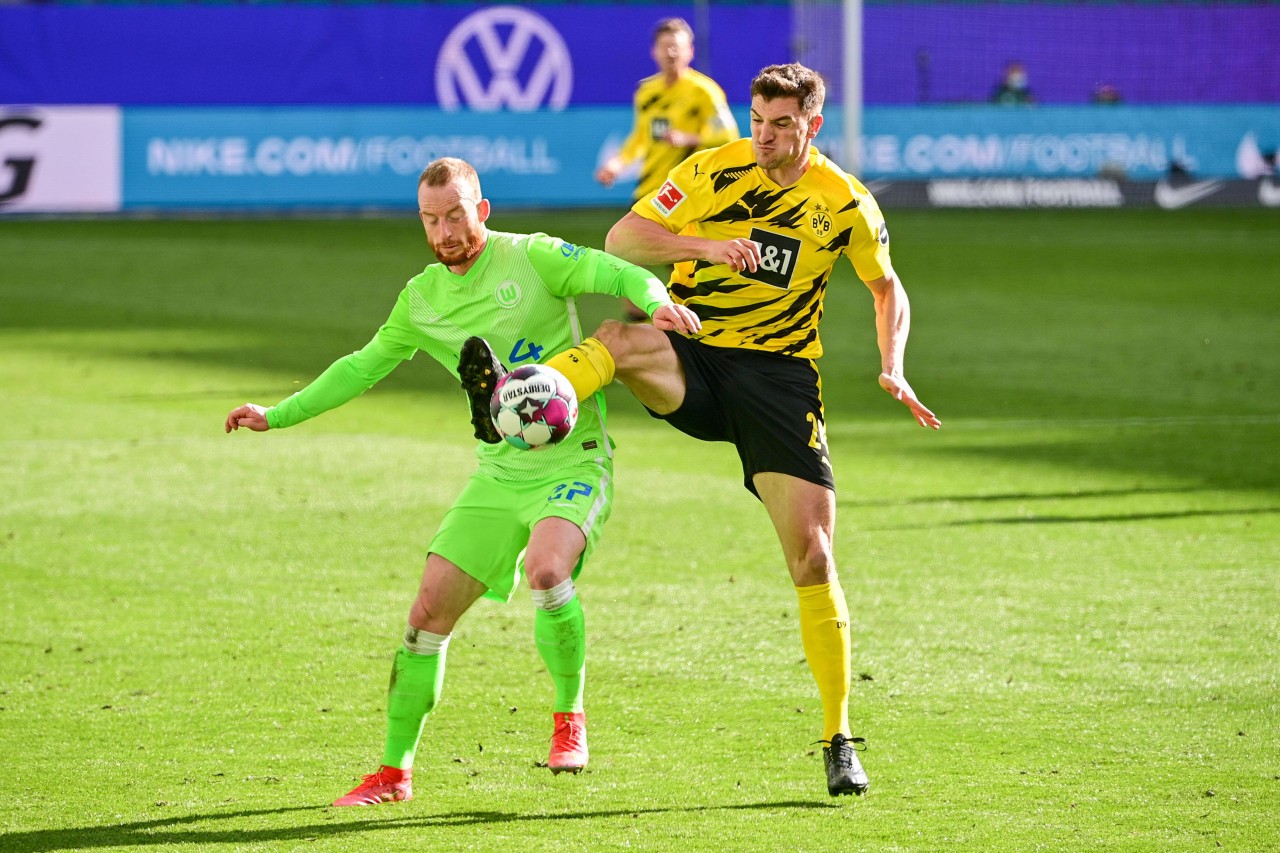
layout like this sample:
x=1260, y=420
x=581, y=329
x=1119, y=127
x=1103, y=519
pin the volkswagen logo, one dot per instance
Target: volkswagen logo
x=483, y=57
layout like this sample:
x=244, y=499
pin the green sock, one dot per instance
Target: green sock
x=561, y=635
x=416, y=681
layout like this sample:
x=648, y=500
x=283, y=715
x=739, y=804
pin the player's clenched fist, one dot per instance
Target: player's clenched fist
x=249, y=415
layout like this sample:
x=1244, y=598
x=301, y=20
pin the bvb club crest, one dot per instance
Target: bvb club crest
x=820, y=221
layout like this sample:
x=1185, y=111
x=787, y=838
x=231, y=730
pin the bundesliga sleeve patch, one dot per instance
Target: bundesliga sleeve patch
x=669, y=197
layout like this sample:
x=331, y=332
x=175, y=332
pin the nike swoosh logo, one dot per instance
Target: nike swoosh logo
x=1268, y=193
x=1171, y=197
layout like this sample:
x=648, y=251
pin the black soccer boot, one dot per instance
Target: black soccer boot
x=480, y=371
x=844, y=771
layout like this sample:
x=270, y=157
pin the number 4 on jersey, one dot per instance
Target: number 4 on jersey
x=532, y=352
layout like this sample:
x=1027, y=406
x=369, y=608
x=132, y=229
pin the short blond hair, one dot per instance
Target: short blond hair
x=448, y=169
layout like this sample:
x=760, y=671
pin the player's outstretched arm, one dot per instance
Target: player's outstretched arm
x=893, y=324
x=647, y=243
x=249, y=415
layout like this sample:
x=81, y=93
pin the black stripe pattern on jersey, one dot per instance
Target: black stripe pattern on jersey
x=838, y=243
x=728, y=177
x=806, y=311
x=754, y=204
x=777, y=317
x=789, y=218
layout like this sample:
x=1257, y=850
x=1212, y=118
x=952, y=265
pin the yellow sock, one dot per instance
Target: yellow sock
x=588, y=367
x=824, y=632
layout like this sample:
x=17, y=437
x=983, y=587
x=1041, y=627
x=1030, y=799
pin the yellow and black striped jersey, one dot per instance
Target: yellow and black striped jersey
x=802, y=230
x=694, y=104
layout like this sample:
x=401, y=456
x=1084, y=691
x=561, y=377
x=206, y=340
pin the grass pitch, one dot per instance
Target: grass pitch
x=1065, y=603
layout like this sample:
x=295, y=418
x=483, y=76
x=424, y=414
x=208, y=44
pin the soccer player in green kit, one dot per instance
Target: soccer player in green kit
x=537, y=512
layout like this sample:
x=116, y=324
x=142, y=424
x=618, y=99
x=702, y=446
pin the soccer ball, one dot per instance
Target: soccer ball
x=534, y=406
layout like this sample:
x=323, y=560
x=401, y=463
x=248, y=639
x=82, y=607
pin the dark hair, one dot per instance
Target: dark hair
x=791, y=81
x=672, y=25
x=440, y=172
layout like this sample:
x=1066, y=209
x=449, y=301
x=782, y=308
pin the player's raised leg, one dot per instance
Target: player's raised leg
x=803, y=515
x=589, y=366
x=639, y=356
x=479, y=371
x=417, y=678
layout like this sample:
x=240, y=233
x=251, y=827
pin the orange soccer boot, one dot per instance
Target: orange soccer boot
x=386, y=785
x=568, y=743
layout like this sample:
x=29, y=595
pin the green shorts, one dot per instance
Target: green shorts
x=486, y=530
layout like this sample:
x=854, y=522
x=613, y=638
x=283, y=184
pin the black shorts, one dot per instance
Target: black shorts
x=768, y=405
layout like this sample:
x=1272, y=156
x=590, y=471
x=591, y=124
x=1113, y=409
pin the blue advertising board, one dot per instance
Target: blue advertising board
x=360, y=156
x=370, y=156
x=478, y=56
x=592, y=54
x=1138, y=142
x=341, y=105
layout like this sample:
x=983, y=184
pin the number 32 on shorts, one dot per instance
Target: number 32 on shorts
x=778, y=257
x=569, y=491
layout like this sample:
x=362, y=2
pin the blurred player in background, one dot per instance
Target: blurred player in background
x=677, y=111
x=755, y=228
x=537, y=512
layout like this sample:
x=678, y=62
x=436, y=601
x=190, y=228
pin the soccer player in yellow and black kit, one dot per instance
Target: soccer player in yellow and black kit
x=755, y=228
x=677, y=111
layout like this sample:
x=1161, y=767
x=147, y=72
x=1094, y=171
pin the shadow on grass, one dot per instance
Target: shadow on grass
x=166, y=832
x=1093, y=519
x=1024, y=496
x=1212, y=456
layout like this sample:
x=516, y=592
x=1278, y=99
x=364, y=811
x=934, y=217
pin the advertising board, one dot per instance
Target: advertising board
x=59, y=159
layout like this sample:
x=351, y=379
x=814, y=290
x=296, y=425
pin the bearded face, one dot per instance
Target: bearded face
x=453, y=217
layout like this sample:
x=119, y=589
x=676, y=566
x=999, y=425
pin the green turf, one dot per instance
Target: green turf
x=1066, y=603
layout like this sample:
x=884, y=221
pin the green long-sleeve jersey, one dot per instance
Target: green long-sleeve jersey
x=518, y=296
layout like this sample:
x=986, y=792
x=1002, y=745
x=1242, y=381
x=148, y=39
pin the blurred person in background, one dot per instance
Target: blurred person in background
x=1104, y=94
x=677, y=111
x=1013, y=88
